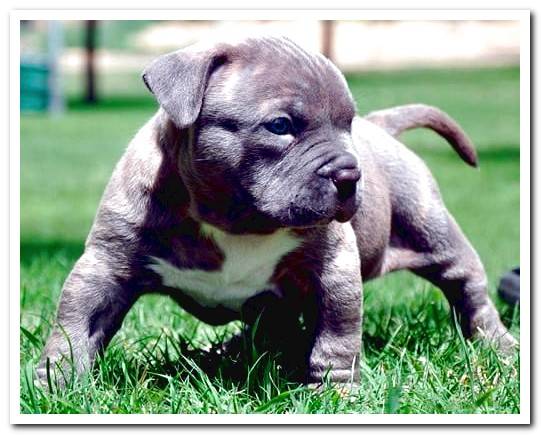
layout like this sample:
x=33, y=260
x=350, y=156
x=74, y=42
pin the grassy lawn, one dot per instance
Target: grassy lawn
x=413, y=360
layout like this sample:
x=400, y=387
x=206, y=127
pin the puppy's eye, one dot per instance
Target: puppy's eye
x=280, y=126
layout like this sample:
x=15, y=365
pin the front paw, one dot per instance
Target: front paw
x=57, y=372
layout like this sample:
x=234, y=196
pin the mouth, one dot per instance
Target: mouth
x=320, y=205
x=306, y=217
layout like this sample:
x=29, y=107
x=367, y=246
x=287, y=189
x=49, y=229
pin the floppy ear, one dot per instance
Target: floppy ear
x=178, y=81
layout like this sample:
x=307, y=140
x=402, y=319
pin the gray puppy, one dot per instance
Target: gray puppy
x=256, y=193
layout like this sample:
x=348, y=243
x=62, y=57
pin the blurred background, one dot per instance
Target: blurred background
x=64, y=60
x=82, y=100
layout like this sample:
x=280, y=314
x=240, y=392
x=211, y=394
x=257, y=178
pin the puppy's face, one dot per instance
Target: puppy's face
x=271, y=146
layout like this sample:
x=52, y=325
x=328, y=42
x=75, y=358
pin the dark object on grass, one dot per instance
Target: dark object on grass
x=509, y=287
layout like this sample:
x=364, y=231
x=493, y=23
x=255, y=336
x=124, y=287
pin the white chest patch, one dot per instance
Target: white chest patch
x=249, y=262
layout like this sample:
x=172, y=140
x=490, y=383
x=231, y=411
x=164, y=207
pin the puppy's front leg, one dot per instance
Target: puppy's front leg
x=94, y=300
x=337, y=313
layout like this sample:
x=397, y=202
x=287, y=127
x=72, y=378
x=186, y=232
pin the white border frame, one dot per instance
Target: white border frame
x=523, y=16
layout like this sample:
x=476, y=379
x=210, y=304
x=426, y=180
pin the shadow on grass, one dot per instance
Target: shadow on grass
x=234, y=362
x=443, y=76
x=496, y=154
x=120, y=102
x=34, y=249
x=499, y=153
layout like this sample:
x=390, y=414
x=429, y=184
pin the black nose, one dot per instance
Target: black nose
x=345, y=181
x=344, y=172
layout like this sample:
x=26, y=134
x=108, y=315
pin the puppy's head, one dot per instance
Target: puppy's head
x=269, y=128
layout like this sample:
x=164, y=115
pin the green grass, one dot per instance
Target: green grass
x=413, y=359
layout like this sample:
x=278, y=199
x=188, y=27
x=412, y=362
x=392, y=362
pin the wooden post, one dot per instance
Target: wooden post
x=90, y=64
x=328, y=38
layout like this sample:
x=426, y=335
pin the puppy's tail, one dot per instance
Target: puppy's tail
x=396, y=120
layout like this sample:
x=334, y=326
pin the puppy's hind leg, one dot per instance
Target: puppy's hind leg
x=459, y=272
x=439, y=252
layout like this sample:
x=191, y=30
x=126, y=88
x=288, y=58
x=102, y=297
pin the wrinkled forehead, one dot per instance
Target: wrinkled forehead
x=275, y=73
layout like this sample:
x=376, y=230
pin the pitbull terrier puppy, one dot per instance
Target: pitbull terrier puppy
x=256, y=193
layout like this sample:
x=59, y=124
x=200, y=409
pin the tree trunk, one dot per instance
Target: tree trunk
x=90, y=64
